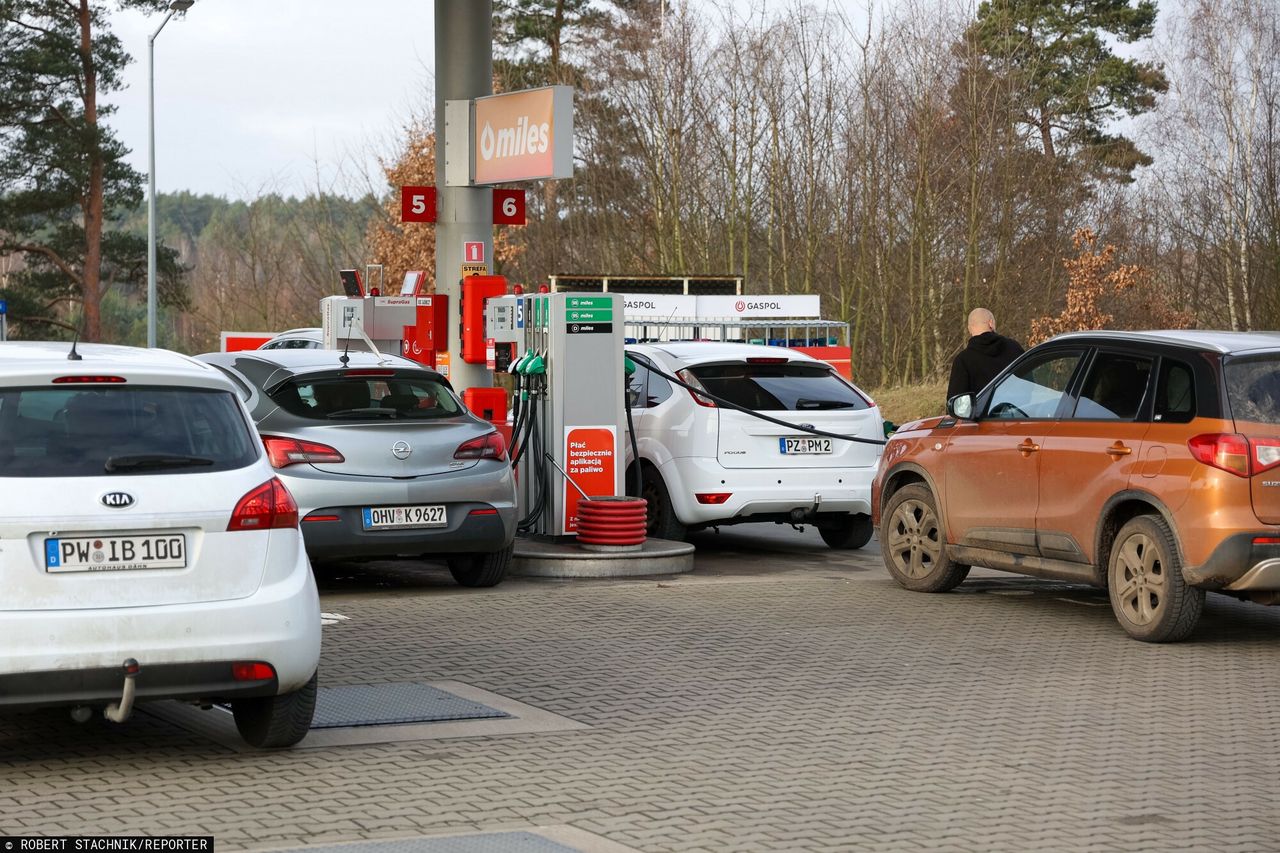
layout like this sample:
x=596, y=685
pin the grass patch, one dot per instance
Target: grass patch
x=910, y=402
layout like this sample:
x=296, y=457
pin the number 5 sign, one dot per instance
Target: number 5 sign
x=508, y=207
x=417, y=204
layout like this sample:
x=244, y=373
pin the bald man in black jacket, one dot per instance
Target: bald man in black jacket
x=983, y=358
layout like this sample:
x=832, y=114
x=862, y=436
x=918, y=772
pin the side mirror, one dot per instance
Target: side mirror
x=961, y=406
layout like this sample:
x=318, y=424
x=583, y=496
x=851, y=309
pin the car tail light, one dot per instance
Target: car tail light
x=686, y=376
x=767, y=360
x=1266, y=454
x=252, y=671
x=1227, y=451
x=1266, y=540
x=269, y=506
x=714, y=498
x=284, y=451
x=88, y=380
x=488, y=446
x=484, y=511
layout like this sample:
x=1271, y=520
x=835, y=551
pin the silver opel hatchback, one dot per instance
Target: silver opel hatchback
x=382, y=457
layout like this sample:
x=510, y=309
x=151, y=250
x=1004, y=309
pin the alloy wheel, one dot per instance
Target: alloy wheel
x=1143, y=587
x=914, y=541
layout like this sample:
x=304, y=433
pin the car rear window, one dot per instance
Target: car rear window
x=791, y=386
x=1253, y=388
x=128, y=430
x=368, y=398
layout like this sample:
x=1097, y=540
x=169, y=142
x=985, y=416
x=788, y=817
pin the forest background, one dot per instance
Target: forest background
x=1078, y=164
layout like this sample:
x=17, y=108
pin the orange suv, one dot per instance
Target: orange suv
x=1147, y=463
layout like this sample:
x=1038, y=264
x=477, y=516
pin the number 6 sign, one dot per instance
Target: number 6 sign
x=508, y=207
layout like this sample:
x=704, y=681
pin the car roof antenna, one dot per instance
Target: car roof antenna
x=73, y=355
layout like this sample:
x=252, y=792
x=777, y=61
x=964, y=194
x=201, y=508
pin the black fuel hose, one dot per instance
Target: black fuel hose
x=723, y=403
x=635, y=480
x=521, y=440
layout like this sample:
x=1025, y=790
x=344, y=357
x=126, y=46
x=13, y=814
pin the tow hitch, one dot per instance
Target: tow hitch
x=118, y=712
x=806, y=516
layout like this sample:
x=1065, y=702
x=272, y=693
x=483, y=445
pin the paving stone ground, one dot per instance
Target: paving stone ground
x=783, y=697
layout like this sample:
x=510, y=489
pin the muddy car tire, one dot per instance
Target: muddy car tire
x=1149, y=597
x=274, y=722
x=913, y=545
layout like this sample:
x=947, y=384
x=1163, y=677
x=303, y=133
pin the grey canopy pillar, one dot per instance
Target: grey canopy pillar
x=464, y=71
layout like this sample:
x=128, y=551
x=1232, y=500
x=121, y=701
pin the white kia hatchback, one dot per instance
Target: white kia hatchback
x=147, y=550
x=706, y=465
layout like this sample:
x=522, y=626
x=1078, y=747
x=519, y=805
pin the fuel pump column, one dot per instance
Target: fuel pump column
x=566, y=352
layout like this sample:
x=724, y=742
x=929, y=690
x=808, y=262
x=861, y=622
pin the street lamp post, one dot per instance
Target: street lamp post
x=175, y=6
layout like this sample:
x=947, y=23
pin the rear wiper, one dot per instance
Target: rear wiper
x=141, y=461
x=360, y=413
x=823, y=404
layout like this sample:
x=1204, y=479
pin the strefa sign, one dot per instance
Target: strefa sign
x=523, y=136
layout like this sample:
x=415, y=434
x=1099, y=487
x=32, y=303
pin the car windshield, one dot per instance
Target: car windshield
x=1253, y=388
x=368, y=398
x=94, y=432
x=788, y=386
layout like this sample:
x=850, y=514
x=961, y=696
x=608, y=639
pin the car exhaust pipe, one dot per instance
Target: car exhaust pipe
x=81, y=713
x=118, y=712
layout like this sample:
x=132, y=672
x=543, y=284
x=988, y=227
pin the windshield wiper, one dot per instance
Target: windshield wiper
x=360, y=413
x=143, y=461
x=823, y=404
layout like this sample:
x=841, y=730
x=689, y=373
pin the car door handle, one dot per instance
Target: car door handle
x=1028, y=447
x=1118, y=449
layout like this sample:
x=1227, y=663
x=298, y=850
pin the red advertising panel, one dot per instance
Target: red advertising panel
x=237, y=341
x=417, y=204
x=841, y=358
x=508, y=207
x=590, y=459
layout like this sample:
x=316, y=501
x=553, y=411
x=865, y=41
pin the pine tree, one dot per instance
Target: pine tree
x=1072, y=84
x=64, y=184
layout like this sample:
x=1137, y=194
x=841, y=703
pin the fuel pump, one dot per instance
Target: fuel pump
x=565, y=350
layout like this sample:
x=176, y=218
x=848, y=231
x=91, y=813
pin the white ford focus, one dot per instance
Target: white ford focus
x=706, y=465
x=147, y=550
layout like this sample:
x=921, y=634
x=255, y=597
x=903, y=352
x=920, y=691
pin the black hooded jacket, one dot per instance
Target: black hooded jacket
x=978, y=363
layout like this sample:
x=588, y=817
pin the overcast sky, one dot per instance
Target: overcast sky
x=252, y=94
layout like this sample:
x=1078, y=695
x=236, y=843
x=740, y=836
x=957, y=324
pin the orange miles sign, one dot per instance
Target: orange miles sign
x=523, y=136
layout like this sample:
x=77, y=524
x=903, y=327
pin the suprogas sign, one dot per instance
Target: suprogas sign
x=522, y=136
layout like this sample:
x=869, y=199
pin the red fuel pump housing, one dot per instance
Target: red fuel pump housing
x=475, y=290
x=430, y=333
